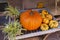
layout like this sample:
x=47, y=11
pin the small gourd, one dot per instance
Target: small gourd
x=49, y=16
x=44, y=12
x=53, y=24
x=43, y=16
x=40, y=5
x=45, y=20
x=44, y=27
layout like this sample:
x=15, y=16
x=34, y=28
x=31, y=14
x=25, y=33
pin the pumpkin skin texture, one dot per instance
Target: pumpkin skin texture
x=30, y=20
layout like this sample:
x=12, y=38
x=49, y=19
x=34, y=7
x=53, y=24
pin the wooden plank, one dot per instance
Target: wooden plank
x=37, y=33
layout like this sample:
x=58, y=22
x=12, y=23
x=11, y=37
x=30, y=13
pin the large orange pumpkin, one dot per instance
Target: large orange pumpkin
x=30, y=20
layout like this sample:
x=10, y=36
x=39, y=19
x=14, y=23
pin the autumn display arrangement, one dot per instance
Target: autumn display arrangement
x=29, y=20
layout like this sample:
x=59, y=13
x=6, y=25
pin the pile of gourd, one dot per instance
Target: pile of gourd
x=48, y=21
x=32, y=20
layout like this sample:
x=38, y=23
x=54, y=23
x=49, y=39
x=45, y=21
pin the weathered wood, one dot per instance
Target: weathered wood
x=53, y=36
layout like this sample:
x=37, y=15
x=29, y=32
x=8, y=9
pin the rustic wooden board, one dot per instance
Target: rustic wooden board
x=37, y=33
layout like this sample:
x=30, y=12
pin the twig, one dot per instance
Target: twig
x=46, y=36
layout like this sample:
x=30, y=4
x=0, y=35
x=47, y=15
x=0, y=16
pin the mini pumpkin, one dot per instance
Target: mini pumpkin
x=30, y=20
x=43, y=16
x=49, y=16
x=40, y=5
x=44, y=12
x=53, y=24
x=45, y=20
x=44, y=27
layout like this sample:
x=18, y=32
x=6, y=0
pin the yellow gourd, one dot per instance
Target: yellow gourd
x=49, y=16
x=43, y=16
x=44, y=27
x=44, y=12
x=45, y=20
x=40, y=5
x=53, y=24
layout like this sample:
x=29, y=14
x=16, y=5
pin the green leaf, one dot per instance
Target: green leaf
x=12, y=28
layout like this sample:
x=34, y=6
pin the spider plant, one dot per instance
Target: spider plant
x=12, y=29
x=12, y=12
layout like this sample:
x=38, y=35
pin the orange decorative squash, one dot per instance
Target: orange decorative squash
x=30, y=20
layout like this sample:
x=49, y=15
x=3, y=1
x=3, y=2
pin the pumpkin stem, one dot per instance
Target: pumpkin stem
x=31, y=13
